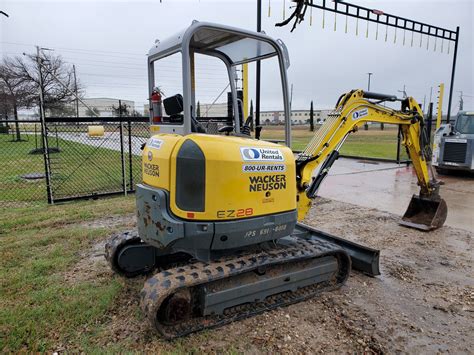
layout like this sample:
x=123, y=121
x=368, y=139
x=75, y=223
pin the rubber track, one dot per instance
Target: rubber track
x=165, y=283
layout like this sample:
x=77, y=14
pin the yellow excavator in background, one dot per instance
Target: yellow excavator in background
x=426, y=210
x=219, y=214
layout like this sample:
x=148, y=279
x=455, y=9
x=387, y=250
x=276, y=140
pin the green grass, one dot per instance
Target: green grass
x=38, y=244
x=43, y=310
x=78, y=169
x=372, y=143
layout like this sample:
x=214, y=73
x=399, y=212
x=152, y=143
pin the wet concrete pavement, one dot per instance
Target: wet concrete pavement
x=389, y=187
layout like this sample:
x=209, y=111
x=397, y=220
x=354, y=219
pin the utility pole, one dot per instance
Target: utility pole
x=368, y=85
x=366, y=125
x=461, y=102
x=43, y=128
x=404, y=91
x=257, y=85
x=71, y=91
x=75, y=89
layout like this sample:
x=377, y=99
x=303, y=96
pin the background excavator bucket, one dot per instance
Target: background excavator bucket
x=424, y=213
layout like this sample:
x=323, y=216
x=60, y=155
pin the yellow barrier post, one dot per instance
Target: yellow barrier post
x=440, y=105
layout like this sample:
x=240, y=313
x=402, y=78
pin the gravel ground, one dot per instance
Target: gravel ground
x=422, y=303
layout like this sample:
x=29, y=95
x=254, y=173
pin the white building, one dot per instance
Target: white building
x=297, y=116
x=104, y=106
x=207, y=110
x=216, y=110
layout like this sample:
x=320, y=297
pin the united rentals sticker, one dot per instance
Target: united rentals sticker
x=155, y=143
x=359, y=114
x=261, y=154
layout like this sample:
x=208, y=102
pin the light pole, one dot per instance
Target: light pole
x=6, y=117
x=366, y=125
x=368, y=85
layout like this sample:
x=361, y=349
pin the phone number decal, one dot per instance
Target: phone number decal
x=263, y=168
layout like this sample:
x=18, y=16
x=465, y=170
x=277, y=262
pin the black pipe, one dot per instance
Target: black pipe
x=429, y=123
x=257, y=88
x=124, y=187
x=452, y=74
x=399, y=137
x=130, y=159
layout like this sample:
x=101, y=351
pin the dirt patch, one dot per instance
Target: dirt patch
x=111, y=221
x=92, y=265
x=422, y=302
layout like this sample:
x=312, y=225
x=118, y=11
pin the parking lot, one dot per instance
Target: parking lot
x=389, y=187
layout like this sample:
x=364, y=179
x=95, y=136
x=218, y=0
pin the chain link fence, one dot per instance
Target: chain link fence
x=84, y=158
x=22, y=168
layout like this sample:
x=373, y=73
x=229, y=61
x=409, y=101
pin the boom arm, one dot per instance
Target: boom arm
x=352, y=111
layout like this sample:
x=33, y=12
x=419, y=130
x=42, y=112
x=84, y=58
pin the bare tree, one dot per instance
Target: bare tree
x=14, y=91
x=57, y=79
x=121, y=110
x=62, y=110
x=136, y=113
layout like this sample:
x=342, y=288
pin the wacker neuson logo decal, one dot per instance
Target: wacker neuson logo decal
x=267, y=182
x=261, y=154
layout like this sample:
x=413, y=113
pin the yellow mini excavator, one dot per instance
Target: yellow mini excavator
x=218, y=214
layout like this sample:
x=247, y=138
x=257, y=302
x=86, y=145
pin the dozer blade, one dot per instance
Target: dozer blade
x=425, y=213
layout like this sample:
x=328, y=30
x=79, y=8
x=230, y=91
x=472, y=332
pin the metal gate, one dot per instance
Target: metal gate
x=93, y=157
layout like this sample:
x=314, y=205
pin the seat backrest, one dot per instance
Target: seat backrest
x=173, y=105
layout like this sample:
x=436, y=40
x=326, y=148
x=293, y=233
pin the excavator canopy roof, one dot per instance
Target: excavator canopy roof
x=236, y=45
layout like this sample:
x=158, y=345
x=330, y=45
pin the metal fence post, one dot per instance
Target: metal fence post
x=399, y=136
x=453, y=70
x=130, y=160
x=121, y=150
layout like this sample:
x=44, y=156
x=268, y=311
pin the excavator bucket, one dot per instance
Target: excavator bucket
x=425, y=213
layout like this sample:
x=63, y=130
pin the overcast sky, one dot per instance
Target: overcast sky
x=108, y=40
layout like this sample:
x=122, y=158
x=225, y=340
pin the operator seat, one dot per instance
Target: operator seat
x=174, y=108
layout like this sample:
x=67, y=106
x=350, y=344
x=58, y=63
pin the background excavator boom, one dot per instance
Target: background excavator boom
x=427, y=210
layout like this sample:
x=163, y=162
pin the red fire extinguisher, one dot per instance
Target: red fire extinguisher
x=156, y=108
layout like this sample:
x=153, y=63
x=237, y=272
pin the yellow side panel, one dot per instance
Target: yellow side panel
x=156, y=160
x=244, y=178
